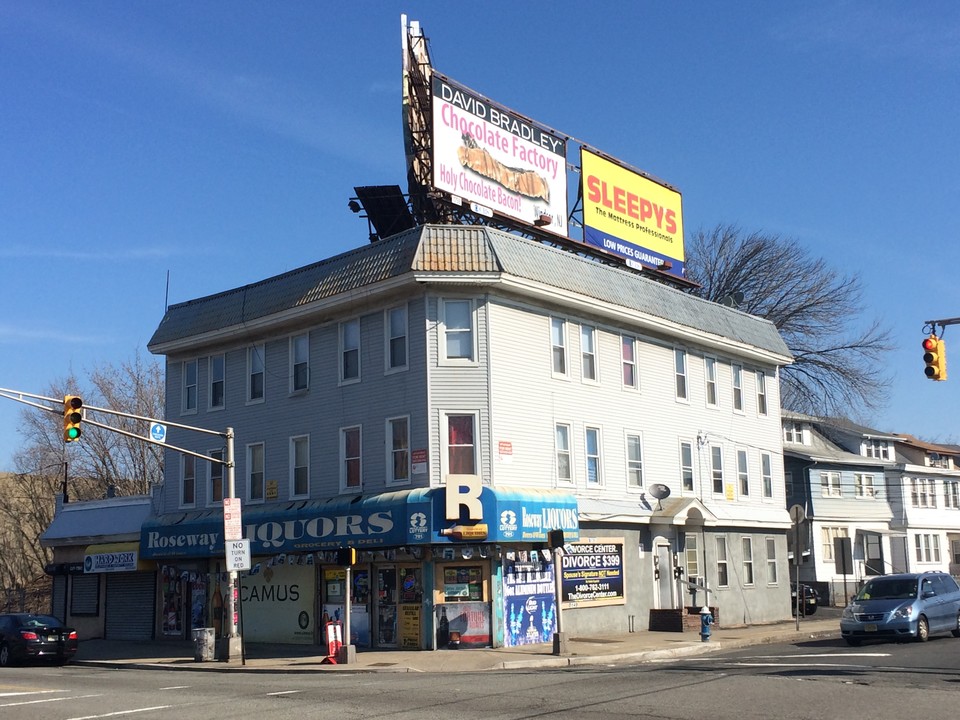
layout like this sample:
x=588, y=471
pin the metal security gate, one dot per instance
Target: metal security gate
x=130, y=606
x=58, y=600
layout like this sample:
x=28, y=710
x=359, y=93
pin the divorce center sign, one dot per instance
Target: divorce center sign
x=497, y=159
x=631, y=216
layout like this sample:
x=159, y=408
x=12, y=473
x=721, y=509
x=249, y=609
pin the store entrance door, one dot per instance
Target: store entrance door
x=386, y=607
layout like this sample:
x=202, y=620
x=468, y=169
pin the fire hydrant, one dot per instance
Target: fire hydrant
x=706, y=620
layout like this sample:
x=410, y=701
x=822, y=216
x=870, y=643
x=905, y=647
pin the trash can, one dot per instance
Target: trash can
x=204, y=644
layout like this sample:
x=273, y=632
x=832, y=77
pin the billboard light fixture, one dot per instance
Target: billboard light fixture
x=543, y=220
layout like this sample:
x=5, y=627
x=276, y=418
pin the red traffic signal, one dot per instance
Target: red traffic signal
x=934, y=358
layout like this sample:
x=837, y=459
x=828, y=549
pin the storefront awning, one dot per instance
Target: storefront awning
x=407, y=517
x=93, y=521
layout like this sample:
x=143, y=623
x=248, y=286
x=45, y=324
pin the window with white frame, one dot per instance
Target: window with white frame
x=188, y=483
x=680, y=372
x=628, y=359
x=737, y=371
x=830, y=484
x=396, y=338
x=691, y=556
x=771, y=561
x=951, y=494
x=792, y=432
x=350, y=351
x=189, y=402
x=710, y=373
x=255, y=473
x=588, y=352
x=716, y=468
x=216, y=365
x=461, y=444
x=300, y=466
x=761, y=393
x=863, y=485
x=877, y=449
x=458, y=329
x=927, y=546
x=215, y=475
x=743, y=472
x=558, y=346
x=766, y=473
x=827, y=536
x=686, y=465
x=398, y=434
x=746, y=544
x=350, y=459
x=923, y=492
x=723, y=571
x=593, y=459
x=255, y=373
x=634, y=460
x=937, y=460
x=299, y=362
x=564, y=460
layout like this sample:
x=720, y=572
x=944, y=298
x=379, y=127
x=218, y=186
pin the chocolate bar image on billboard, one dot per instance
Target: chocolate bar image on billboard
x=524, y=182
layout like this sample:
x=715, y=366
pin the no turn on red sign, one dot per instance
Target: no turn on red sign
x=238, y=554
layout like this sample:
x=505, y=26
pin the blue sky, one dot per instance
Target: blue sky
x=220, y=141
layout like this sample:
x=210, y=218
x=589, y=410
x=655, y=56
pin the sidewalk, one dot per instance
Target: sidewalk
x=636, y=647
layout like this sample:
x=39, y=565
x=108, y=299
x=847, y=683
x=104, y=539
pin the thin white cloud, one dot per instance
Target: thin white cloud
x=12, y=333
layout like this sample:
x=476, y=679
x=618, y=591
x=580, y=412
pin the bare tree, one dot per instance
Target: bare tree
x=837, y=368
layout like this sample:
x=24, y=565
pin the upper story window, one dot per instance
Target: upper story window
x=396, y=339
x=458, y=337
x=215, y=488
x=588, y=352
x=737, y=372
x=680, y=372
x=564, y=460
x=300, y=466
x=788, y=483
x=350, y=351
x=686, y=465
x=716, y=468
x=398, y=451
x=189, y=387
x=594, y=461
x=951, y=494
x=877, y=449
x=766, y=470
x=255, y=373
x=761, y=393
x=743, y=472
x=938, y=461
x=923, y=492
x=350, y=466
x=255, y=473
x=634, y=460
x=863, y=484
x=792, y=432
x=188, y=484
x=216, y=370
x=558, y=346
x=299, y=362
x=830, y=484
x=628, y=357
x=461, y=444
x=710, y=372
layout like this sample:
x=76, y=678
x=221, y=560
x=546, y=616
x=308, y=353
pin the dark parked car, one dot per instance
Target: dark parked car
x=809, y=599
x=25, y=636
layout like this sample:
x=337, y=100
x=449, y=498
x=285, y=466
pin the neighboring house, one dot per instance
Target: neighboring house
x=843, y=494
x=441, y=400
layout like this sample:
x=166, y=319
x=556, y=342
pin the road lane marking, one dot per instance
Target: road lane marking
x=48, y=700
x=176, y=687
x=284, y=692
x=122, y=712
x=28, y=692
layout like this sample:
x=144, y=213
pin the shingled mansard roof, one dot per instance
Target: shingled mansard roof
x=465, y=253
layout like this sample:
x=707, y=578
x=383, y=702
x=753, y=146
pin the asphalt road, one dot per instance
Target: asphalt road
x=815, y=679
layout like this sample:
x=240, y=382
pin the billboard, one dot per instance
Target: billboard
x=496, y=160
x=631, y=216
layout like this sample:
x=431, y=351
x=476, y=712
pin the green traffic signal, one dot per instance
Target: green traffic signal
x=71, y=417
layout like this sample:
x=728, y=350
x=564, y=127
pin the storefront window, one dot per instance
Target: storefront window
x=462, y=584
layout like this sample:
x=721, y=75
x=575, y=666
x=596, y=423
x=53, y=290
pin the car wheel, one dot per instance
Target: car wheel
x=853, y=642
x=5, y=656
x=956, y=628
x=811, y=610
x=923, y=629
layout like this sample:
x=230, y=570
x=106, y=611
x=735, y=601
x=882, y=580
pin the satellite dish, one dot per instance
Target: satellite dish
x=659, y=491
x=733, y=299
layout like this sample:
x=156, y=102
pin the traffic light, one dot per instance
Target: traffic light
x=346, y=556
x=935, y=357
x=72, y=416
